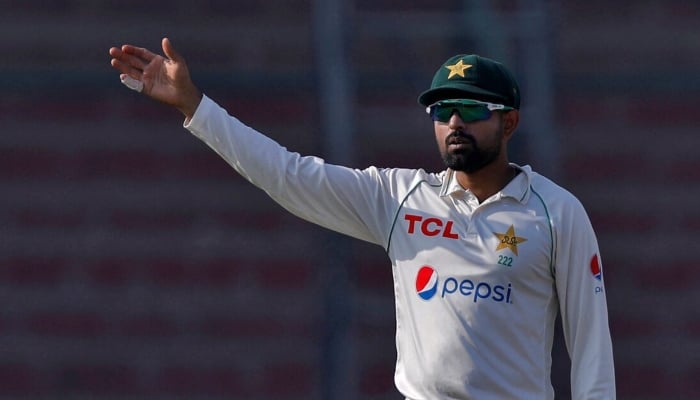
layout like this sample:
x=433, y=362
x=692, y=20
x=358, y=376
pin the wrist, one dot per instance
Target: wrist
x=191, y=103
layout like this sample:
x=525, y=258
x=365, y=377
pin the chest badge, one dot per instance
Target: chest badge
x=509, y=240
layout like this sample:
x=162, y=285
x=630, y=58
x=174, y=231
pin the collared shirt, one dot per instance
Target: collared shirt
x=477, y=285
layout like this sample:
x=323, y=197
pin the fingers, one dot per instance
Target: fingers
x=137, y=57
x=126, y=69
x=169, y=50
x=139, y=52
x=125, y=62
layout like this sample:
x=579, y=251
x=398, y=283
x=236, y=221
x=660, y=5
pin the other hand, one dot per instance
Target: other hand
x=164, y=79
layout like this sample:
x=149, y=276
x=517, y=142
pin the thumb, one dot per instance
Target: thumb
x=169, y=50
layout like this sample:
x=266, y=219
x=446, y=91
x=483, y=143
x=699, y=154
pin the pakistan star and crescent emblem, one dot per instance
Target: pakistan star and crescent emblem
x=508, y=240
x=457, y=69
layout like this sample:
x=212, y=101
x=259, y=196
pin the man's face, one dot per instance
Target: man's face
x=470, y=146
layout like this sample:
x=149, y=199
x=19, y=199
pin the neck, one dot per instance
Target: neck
x=487, y=181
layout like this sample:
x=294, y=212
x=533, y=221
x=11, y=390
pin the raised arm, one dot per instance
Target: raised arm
x=165, y=79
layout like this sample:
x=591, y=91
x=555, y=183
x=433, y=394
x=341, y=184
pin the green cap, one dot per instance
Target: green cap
x=473, y=77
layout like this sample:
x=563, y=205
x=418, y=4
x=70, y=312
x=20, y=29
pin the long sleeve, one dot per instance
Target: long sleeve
x=350, y=201
x=583, y=307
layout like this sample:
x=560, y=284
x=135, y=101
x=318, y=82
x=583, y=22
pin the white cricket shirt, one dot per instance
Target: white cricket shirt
x=477, y=286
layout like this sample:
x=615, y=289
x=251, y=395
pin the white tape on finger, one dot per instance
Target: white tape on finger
x=131, y=83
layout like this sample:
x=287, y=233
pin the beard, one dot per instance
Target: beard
x=473, y=157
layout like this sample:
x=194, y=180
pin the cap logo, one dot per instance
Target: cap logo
x=458, y=69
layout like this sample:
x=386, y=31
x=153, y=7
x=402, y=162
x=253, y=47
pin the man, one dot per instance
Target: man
x=484, y=254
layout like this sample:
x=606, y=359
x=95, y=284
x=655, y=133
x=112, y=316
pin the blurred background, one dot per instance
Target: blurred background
x=134, y=263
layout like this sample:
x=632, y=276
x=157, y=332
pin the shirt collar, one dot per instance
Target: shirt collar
x=518, y=188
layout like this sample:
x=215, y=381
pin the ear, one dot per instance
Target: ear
x=510, y=123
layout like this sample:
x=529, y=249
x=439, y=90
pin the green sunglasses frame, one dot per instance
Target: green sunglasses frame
x=467, y=109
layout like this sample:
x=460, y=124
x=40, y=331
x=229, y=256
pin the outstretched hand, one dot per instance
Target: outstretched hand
x=164, y=79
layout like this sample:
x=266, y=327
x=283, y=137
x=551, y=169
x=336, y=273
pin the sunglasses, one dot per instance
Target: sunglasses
x=468, y=110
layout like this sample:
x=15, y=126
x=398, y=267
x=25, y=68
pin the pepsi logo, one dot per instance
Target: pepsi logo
x=595, y=268
x=426, y=282
x=427, y=285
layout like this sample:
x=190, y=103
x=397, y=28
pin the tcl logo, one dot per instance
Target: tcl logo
x=430, y=226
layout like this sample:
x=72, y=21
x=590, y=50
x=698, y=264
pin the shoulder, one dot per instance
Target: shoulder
x=560, y=202
x=406, y=178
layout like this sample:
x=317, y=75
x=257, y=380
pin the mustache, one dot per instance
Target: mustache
x=457, y=137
